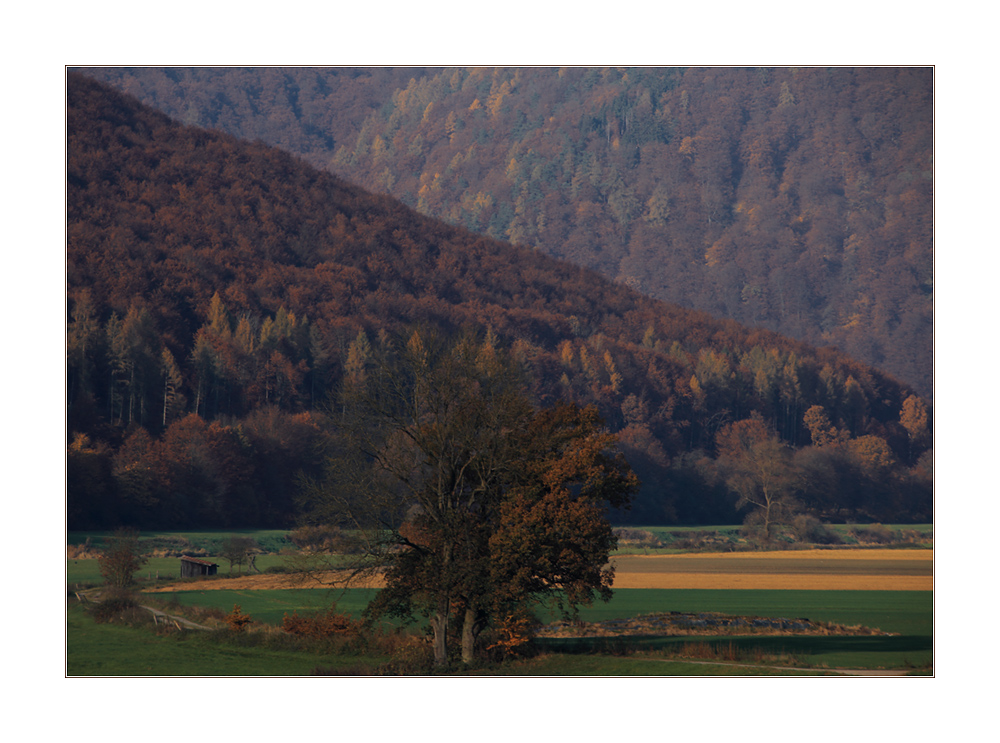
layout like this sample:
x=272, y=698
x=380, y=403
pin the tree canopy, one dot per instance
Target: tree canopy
x=473, y=502
x=756, y=467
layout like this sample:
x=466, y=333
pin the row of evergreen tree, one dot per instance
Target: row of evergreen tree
x=220, y=437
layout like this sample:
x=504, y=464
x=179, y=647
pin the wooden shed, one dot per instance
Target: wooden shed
x=192, y=567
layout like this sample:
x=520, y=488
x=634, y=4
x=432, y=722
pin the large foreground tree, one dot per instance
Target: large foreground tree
x=472, y=503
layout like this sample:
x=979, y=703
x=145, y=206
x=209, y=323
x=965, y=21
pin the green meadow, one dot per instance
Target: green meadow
x=906, y=614
x=117, y=650
x=906, y=618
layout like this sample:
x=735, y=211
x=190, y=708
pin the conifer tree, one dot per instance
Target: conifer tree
x=173, y=398
x=82, y=337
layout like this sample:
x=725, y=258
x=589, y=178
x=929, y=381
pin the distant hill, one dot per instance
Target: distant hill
x=218, y=286
x=793, y=199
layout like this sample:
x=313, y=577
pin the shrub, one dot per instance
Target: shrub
x=322, y=624
x=637, y=538
x=810, y=529
x=236, y=620
x=112, y=607
x=119, y=606
x=83, y=551
x=730, y=652
x=322, y=538
x=512, y=636
x=874, y=534
x=708, y=541
x=413, y=658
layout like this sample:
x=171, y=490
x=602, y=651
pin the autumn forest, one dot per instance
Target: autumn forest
x=792, y=199
x=707, y=258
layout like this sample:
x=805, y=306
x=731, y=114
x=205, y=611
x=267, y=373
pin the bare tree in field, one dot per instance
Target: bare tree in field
x=758, y=470
x=121, y=558
x=238, y=550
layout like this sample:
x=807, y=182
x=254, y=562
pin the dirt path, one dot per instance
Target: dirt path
x=895, y=672
x=93, y=595
x=181, y=621
x=263, y=582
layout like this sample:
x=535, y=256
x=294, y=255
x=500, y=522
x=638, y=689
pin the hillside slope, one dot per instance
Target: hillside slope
x=218, y=287
x=794, y=199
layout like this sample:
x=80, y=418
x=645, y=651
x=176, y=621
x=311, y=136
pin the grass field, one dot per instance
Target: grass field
x=271, y=540
x=116, y=650
x=908, y=614
x=271, y=606
x=888, y=589
x=87, y=571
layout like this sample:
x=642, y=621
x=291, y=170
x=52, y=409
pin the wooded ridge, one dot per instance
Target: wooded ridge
x=219, y=289
x=794, y=199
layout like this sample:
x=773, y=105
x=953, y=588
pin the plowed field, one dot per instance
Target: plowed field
x=828, y=570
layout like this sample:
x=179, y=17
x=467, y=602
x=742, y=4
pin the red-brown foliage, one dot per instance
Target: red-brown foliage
x=320, y=625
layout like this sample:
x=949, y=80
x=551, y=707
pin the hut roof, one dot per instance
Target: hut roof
x=199, y=562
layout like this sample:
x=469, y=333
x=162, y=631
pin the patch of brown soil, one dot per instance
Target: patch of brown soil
x=829, y=570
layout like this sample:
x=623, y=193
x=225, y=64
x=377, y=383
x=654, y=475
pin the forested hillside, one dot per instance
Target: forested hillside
x=793, y=199
x=218, y=290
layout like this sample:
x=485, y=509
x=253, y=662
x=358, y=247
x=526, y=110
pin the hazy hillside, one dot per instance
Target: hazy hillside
x=218, y=288
x=794, y=199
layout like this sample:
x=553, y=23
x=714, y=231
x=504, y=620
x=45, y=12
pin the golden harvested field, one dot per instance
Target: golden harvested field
x=828, y=570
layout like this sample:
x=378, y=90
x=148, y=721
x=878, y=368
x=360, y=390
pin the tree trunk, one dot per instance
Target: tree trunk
x=439, y=623
x=767, y=519
x=470, y=631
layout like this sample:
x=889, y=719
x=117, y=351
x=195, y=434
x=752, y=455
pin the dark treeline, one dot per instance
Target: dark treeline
x=794, y=199
x=219, y=289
